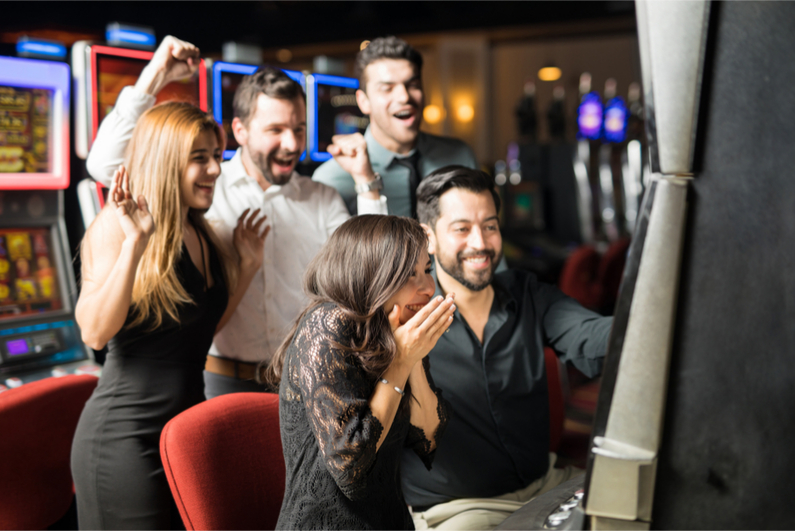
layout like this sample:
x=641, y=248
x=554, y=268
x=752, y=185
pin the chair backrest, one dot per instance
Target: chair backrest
x=223, y=460
x=610, y=272
x=578, y=279
x=557, y=407
x=37, y=425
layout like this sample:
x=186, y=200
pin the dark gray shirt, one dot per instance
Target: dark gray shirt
x=497, y=440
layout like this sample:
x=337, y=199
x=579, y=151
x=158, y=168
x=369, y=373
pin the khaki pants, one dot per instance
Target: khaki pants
x=488, y=513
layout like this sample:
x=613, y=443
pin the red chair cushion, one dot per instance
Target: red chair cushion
x=578, y=279
x=223, y=460
x=37, y=425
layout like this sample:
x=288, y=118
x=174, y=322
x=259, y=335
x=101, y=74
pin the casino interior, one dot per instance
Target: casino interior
x=639, y=151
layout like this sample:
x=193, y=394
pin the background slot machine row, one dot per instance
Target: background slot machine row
x=38, y=332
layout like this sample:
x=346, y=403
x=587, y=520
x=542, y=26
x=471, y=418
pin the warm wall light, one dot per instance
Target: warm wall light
x=364, y=45
x=284, y=55
x=549, y=73
x=465, y=113
x=432, y=114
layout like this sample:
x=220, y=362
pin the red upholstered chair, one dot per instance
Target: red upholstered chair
x=223, y=460
x=37, y=425
x=557, y=409
x=578, y=279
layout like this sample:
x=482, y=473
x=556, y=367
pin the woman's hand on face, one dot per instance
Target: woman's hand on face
x=249, y=240
x=134, y=217
x=418, y=335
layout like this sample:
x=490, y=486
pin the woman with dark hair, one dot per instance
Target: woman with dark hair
x=353, y=377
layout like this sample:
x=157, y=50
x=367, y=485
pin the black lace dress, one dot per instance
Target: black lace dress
x=335, y=479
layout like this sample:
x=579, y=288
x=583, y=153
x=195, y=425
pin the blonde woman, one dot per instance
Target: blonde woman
x=156, y=285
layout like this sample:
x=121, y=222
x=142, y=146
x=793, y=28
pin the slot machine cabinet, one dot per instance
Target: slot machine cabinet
x=332, y=110
x=100, y=73
x=38, y=333
x=226, y=77
x=694, y=423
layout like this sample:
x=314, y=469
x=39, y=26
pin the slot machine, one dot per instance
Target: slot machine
x=226, y=77
x=694, y=422
x=332, y=110
x=38, y=333
x=100, y=73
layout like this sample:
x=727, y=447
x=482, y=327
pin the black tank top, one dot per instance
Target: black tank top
x=187, y=340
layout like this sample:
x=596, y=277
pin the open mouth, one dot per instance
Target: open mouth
x=283, y=163
x=416, y=307
x=478, y=261
x=406, y=115
x=206, y=187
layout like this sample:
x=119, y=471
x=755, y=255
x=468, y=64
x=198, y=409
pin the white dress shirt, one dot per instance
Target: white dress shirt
x=302, y=215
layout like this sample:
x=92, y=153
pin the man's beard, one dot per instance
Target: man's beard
x=456, y=268
x=262, y=162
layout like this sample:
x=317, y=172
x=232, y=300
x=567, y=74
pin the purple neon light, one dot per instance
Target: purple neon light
x=17, y=346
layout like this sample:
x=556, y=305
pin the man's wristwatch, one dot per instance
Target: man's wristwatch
x=375, y=184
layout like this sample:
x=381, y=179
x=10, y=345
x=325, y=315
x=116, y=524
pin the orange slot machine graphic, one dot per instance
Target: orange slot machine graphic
x=38, y=333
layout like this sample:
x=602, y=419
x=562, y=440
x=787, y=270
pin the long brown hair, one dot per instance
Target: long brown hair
x=366, y=261
x=157, y=158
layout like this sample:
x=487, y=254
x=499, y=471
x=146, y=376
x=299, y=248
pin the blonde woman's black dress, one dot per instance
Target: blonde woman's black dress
x=148, y=378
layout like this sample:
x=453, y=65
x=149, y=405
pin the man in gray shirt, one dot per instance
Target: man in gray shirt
x=393, y=155
x=494, y=455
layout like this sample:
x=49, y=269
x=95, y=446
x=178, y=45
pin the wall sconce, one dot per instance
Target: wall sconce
x=549, y=73
x=433, y=114
x=284, y=55
x=464, y=112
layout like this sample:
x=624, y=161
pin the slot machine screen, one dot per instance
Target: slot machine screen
x=28, y=277
x=589, y=117
x=115, y=68
x=616, y=115
x=34, y=124
x=226, y=78
x=25, y=129
x=333, y=112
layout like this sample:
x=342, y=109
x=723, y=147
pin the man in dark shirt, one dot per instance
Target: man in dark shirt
x=494, y=456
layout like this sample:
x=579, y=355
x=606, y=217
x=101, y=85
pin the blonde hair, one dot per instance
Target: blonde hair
x=157, y=158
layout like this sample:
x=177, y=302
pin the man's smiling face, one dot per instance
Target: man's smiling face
x=394, y=101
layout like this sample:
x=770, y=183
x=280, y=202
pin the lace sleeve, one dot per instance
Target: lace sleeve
x=336, y=396
x=416, y=438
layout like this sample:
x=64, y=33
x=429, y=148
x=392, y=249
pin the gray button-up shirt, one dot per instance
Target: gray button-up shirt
x=435, y=152
x=497, y=440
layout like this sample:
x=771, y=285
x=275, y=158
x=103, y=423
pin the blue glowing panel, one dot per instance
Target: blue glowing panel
x=332, y=111
x=41, y=48
x=130, y=36
x=589, y=117
x=226, y=78
x=616, y=116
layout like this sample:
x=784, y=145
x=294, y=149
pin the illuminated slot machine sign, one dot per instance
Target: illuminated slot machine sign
x=34, y=124
x=616, y=120
x=37, y=326
x=226, y=78
x=589, y=117
x=332, y=111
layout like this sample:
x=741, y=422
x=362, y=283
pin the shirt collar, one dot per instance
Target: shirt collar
x=381, y=157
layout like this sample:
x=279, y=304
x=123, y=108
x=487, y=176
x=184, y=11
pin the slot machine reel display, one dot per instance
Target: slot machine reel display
x=38, y=332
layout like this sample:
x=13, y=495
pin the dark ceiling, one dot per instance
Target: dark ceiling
x=282, y=23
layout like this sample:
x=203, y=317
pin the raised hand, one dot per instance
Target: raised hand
x=249, y=241
x=173, y=60
x=134, y=217
x=419, y=335
x=350, y=152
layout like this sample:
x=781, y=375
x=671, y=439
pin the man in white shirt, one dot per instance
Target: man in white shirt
x=270, y=126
